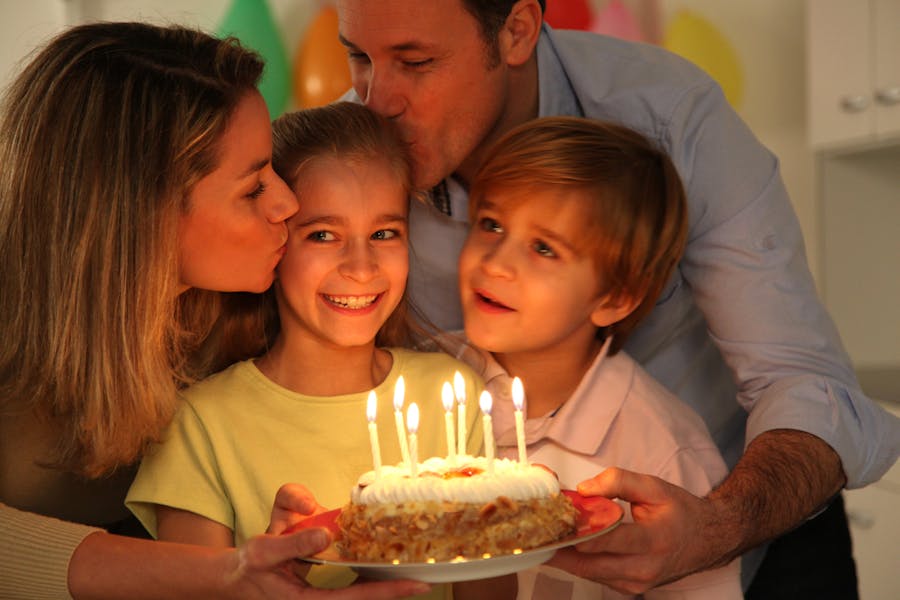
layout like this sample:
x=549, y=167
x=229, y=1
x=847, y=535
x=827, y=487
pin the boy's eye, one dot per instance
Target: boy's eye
x=321, y=236
x=385, y=234
x=358, y=56
x=489, y=224
x=543, y=249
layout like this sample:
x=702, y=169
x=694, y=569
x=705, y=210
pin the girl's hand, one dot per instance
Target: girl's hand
x=293, y=504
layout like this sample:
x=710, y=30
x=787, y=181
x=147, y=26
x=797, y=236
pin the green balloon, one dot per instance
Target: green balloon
x=252, y=23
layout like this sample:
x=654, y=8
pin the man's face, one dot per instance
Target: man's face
x=426, y=66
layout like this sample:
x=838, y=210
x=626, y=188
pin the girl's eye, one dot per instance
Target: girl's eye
x=385, y=234
x=257, y=191
x=543, y=249
x=321, y=236
x=488, y=224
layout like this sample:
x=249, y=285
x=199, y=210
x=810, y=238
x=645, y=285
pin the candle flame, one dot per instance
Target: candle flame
x=412, y=417
x=447, y=396
x=459, y=386
x=486, y=402
x=518, y=393
x=371, y=403
x=399, y=391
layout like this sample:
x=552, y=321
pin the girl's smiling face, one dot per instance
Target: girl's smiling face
x=525, y=286
x=347, y=260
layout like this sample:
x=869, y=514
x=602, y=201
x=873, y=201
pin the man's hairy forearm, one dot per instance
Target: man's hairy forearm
x=784, y=477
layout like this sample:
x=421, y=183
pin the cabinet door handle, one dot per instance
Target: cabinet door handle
x=854, y=103
x=889, y=96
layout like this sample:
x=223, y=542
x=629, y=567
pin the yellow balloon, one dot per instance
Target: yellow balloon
x=697, y=40
x=321, y=72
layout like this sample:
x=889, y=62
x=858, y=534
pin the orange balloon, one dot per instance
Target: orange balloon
x=321, y=72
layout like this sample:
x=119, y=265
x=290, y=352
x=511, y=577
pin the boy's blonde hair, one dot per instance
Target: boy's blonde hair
x=635, y=216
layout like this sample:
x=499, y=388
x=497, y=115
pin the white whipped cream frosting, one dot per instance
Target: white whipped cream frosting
x=510, y=479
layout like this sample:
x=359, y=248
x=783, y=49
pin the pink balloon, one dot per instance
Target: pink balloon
x=617, y=21
x=568, y=14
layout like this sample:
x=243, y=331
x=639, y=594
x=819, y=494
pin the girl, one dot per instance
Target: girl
x=298, y=411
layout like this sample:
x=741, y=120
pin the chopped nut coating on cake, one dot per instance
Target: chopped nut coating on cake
x=453, y=510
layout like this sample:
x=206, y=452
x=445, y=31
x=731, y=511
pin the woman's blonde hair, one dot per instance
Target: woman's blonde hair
x=102, y=137
x=635, y=211
x=347, y=132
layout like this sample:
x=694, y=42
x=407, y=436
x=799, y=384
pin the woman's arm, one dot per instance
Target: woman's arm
x=43, y=557
x=106, y=567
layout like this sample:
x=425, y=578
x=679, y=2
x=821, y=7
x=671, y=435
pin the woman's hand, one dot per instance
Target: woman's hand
x=264, y=567
x=269, y=561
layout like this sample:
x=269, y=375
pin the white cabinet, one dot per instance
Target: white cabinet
x=853, y=64
x=859, y=208
x=875, y=529
x=854, y=71
x=853, y=61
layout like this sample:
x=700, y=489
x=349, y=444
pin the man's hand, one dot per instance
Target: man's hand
x=672, y=535
x=783, y=478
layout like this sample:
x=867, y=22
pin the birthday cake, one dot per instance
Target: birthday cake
x=453, y=509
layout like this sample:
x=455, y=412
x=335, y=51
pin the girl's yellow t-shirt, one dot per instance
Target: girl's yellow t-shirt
x=239, y=437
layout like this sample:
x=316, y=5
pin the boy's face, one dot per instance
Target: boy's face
x=525, y=288
x=346, y=264
x=425, y=66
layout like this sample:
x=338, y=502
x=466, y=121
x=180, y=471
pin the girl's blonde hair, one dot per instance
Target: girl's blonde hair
x=102, y=137
x=348, y=132
x=635, y=213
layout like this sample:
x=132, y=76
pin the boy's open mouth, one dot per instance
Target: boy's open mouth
x=490, y=301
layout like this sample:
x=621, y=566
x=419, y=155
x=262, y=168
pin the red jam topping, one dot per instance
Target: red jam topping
x=464, y=472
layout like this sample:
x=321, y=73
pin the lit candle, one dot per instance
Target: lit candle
x=518, y=398
x=412, y=423
x=373, y=433
x=459, y=387
x=447, y=400
x=485, y=402
x=399, y=391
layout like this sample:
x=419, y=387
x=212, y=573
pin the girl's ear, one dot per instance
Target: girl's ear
x=608, y=311
x=519, y=35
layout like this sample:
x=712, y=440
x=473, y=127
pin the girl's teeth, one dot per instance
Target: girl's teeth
x=352, y=302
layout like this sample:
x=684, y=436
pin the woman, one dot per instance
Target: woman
x=136, y=187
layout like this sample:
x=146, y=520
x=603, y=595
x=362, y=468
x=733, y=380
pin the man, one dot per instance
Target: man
x=739, y=325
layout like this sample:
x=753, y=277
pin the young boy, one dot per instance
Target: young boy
x=577, y=226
